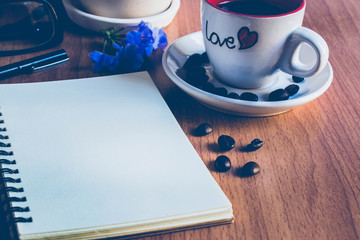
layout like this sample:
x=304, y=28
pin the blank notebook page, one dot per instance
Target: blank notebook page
x=99, y=152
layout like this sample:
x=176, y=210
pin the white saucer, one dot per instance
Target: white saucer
x=96, y=23
x=311, y=88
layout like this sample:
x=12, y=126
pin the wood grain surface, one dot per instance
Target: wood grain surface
x=309, y=184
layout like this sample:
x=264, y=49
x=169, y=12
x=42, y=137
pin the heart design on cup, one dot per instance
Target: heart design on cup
x=246, y=38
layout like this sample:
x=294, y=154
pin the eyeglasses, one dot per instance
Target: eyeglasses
x=28, y=26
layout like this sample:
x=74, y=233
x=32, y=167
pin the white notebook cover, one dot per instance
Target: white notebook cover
x=104, y=157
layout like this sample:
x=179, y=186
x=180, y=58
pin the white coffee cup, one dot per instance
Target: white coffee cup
x=247, y=50
x=125, y=8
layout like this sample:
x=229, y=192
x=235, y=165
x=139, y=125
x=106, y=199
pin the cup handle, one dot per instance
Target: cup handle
x=289, y=60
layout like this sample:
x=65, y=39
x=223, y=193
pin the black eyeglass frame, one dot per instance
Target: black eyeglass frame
x=56, y=38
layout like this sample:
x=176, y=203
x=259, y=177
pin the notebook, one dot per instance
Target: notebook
x=100, y=157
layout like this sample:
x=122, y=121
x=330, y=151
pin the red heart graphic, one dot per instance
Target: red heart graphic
x=246, y=38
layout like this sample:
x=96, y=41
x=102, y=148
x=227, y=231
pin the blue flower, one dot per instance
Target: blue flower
x=133, y=57
x=103, y=61
x=133, y=49
x=130, y=56
x=160, y=39
x=144, y=39
x=142, y=25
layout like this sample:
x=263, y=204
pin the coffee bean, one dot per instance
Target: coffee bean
x=297, y=79
x=197, y=82
x=233, y=95
x=248, y=96
x=194, y=60
x=221, y=91
x=196, y=76
x=292, y=89
x=222, y=163
x=249, y=169
x=226, y=142
x=278, y=95
x=254, y=145
x=181, y=72
x=203, y=129
x=204, y=57
x=209, y=87
x=195, y=71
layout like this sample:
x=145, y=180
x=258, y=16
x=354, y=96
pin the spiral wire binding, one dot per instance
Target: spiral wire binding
x=7, y=170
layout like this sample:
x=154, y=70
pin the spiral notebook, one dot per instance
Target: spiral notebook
x=99, y=157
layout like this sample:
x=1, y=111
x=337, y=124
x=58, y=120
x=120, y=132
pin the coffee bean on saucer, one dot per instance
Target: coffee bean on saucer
x=222, y=163
x=297, y=79
x=233, y=95
x=197, y=82
x=195, y=60
x=181, y=72
x=226, y=142
x=278, y=95
x=254, y=145
x=195, y=71
x=292, y=89
x=209, y=87
x=248, y=96
x=204, y=57
x=221, y=91
x=249, y=169
x=203, y=129
x=196, y=76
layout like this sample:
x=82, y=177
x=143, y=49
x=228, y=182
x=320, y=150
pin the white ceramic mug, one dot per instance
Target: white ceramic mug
x=247, y=50
x=125, y=8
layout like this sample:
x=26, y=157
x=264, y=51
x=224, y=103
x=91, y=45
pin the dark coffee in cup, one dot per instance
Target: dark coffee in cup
x=258, y=7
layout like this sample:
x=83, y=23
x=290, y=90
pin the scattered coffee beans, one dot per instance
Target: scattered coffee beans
x=297, y=79
x=279, y=95
x=249, y=96
x=292, y=89
x=194, y=73
x=254, y=145
x=249, y=169
x=222, y=163
x=226, y=142
x=203, y=129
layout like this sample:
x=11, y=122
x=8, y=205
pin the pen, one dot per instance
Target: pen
x=31, y=65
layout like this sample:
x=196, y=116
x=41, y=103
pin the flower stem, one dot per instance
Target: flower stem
x=104, y=46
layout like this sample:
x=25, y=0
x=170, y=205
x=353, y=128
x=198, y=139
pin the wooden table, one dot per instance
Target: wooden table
x=309, y=184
